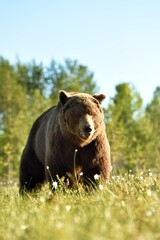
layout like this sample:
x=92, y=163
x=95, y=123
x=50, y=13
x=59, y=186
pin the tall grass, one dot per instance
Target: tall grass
x=128, y=207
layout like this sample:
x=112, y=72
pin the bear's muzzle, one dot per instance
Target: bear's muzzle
x=87, y=129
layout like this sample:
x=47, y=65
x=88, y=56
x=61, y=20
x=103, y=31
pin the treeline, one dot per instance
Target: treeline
x=26, y=90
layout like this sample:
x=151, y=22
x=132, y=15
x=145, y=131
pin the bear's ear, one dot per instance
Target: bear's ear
x=99, y=97
x=63, y=96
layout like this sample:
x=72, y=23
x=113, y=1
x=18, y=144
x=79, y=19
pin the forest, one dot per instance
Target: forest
x=26, y=90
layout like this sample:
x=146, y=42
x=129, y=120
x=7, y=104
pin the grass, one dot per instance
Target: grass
x=128, y=207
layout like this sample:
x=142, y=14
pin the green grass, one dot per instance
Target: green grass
x=127, y=208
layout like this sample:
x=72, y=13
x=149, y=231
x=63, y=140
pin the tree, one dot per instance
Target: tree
x=19, y=107
x=71, y=76
x=11, y=100
x=153, y=114
x=122, y=116
x=31, y=77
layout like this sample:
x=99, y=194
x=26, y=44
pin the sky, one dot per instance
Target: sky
x=118, y=40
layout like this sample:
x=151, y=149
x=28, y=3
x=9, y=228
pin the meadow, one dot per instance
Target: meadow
x=128, y=207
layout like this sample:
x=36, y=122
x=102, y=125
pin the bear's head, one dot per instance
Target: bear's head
x=81, y=117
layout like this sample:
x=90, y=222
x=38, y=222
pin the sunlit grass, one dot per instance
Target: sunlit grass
x=128, y=207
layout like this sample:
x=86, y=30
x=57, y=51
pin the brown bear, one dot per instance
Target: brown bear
x=67, y=140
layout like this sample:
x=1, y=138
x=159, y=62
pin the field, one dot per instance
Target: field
x=128, y=207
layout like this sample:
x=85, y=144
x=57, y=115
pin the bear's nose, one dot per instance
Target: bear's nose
x=87, y=129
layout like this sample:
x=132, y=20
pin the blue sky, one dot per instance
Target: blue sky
x=119, y=40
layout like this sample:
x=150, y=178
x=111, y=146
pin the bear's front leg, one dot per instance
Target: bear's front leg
x=31, y=172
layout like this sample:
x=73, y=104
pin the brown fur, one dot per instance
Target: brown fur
x=76, y=122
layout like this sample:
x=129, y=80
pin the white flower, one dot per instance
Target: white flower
x=42, y=199
x=123, y=203
x=149, y=213
x=68, y=208
x=47, y=167
x=81, y=174
x=149, y=192
x=101, y=187
x=24, y=227
x=96, y=176
x=54, y=185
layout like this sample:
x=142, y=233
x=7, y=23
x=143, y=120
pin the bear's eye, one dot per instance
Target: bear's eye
x=91, y=113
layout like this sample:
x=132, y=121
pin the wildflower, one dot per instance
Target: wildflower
x=54, y=185
x=81, y=174
x=47, y=167
x=24, y=227
x=149, y=213
x=101, y=187
x=96, y=176
x=68, y=208
x=42, y=199
x=141, y=178
x=149, y=192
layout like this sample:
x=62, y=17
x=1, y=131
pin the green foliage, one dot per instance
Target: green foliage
x=12, y=98
x=120, y=124
x=153, y=115
x=31, y=77
x=71, y=76
x=127, y=208
x=129, y=130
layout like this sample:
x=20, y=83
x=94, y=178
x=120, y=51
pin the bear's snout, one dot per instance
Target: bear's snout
x=87, y=129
